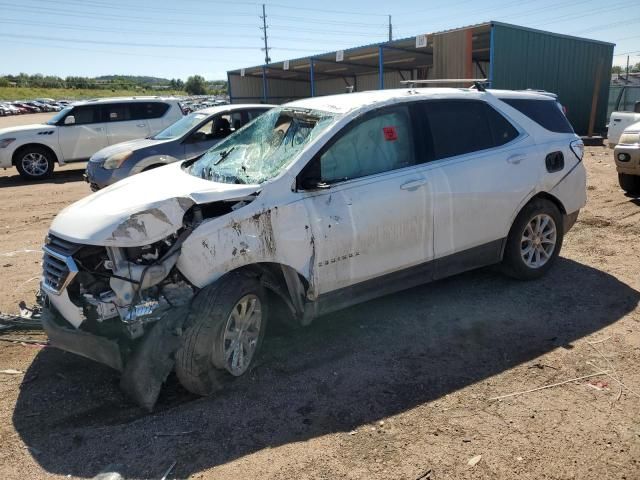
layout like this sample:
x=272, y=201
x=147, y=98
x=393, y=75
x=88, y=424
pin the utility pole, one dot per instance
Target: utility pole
x=627, y=79
x=264, y=31
x=390, y=29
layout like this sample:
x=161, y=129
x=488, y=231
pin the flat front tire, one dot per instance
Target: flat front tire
x=35, y=163
x=223, y=333
x=534, y=241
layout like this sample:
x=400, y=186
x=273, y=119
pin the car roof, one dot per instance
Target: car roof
x=99, y=101
x=347, y=102
x=237, y=106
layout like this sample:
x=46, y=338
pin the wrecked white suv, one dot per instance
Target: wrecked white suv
x=314, y=206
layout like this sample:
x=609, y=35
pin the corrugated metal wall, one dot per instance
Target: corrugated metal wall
x=248, y=89
x=566, y=66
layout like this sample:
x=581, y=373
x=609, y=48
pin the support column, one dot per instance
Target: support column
x=491, y=57
x=229, y=88
x=380, y=67
x=264, y=84
x=313, y=82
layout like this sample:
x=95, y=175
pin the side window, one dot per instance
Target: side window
x=147, y=110
x=457, y=127
x=204, y=133
x=254, y=114
x=503, y=132
x=377, y=144
x=117, y=112
x=87, y=114
x=545, y=113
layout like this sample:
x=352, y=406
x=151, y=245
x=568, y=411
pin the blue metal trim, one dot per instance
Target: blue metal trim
x=229, y=88
x=312, y=73
x=264, y=84
x=491, y=56
x=380, y=67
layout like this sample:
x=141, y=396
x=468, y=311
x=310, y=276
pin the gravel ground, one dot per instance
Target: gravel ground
x=390, y=389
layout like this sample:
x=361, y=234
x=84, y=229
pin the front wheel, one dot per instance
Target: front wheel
x=534, y=241
x=223, y=333
x=34, y=163
x=629, y=183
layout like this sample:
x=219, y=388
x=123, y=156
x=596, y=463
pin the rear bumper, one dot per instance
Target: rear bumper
x=630, y=166
x=63, y=336
x=569, y=220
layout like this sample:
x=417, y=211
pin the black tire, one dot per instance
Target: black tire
x=513, y=262
x=28, y=154
x=629, y=183
x=200, y=362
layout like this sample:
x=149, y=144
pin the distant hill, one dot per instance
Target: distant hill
x=137, y=79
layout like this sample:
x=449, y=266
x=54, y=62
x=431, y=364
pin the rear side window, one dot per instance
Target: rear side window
x=148, y=110
x=545, y=113
x=117, y=112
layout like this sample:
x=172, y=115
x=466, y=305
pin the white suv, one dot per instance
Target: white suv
x=80, y=130
x=314, y=206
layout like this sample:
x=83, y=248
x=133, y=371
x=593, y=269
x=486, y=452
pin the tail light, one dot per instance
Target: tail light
x=577, y=147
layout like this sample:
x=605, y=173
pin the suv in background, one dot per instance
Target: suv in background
x=316, y=205
x=80, y=130
x=188, y=138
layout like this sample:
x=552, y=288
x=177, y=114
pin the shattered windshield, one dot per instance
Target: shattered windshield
x=181, y=127
x=259, y=151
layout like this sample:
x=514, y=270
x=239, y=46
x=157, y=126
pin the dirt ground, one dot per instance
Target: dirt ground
x=397, y=388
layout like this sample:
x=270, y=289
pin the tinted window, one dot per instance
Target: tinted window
x=117, y=112
x=545, y=113
x=463, y=126
x=377, y=144
x=147, y=110
x=501, y=130
x=87, y=114
x=255, y=113
x=457, y=127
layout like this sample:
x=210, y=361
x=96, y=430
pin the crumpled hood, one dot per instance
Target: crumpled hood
x=16, y=131
x=133, y=145
x=141, y=209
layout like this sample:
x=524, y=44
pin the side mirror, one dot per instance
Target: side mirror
x=70, y=120
x=313, y=184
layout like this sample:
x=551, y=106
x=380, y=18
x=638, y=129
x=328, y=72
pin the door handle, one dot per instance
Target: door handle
x=516, y=158
x=413, y=184
x=141, y=125
x=99, y=129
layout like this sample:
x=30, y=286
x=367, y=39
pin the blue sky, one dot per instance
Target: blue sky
x=177, y=39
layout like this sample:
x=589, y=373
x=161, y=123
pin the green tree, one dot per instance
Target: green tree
x=616, y=69
x=196, y=85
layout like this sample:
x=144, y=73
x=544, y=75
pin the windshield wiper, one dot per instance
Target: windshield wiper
x=224, y=155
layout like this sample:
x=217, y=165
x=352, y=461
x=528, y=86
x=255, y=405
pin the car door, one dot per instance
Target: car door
x=483, y=168
x=87, y=135
x=124, y=123
x=372, y=212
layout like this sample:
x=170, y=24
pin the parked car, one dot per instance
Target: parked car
x=188, y=138
x=626, y=113
x=627, y=158
x=80, y=130
x=316, y=205
x=27, y=108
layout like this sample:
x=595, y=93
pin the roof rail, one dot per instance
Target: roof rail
x=479, y=83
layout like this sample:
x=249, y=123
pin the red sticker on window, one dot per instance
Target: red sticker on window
x=390, y=133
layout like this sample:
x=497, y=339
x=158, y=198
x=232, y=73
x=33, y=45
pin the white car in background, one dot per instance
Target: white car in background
x=80, y=130
x=314, y=206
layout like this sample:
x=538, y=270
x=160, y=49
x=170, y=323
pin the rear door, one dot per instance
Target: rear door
x=122, y=123
x=86, y=136
x=483, y=167
x=154, y=114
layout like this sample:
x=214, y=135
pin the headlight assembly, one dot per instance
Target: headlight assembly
x=630, y=138
x=114, y=161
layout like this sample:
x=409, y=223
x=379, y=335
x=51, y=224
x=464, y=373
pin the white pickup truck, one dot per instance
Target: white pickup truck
x=626, y=113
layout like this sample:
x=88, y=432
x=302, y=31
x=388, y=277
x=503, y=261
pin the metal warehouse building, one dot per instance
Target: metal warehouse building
x=509, y=56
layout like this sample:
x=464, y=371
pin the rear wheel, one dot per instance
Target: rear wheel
x=223, y=333
x=629, y=183
x=534, y=241
x=34, y=163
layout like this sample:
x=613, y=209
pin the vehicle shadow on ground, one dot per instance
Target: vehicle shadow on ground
x=59, y=177
x=347, y=370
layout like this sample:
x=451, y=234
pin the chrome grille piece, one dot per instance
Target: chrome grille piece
x=58, y=267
